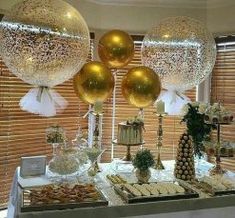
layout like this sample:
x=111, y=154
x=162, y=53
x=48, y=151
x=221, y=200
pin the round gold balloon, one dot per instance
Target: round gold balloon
x=141, y=86
x=94, y=82
x=116, y=48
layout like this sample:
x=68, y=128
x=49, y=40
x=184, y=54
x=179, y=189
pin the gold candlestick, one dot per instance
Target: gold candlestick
x=159, y=165
x=217, y=169
x=96, y=138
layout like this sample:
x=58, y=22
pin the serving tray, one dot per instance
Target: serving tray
x=67, y=202
x=130, y=198
x=208, y=189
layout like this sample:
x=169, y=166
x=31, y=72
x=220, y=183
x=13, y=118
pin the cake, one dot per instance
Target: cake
x=130, y=132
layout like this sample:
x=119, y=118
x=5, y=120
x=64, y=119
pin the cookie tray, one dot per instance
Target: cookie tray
x=208, y=189
x=26, y=205
x=129, y=198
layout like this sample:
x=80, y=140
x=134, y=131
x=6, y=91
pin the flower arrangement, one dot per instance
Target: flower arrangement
x=55, y=134
x=216, y=113
x=136, y=121
x=194, y=116
x=143, y=160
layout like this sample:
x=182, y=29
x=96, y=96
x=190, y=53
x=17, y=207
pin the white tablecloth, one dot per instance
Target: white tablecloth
x=117, y=208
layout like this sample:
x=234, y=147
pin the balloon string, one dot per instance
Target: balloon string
x=141, y=113
x=114, y=111
x=90, y=125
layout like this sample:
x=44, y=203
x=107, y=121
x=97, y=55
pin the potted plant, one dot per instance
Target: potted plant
x=142, y=161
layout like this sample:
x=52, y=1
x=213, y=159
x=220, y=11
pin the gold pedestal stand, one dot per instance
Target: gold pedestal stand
x=128, y=156
x=159, y=165
x=96, y=139
x=217, y=169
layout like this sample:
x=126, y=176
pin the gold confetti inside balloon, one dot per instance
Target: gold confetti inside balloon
x=44, y=42
x=94, y=83
x=141, y=86
x=181, y=50
x=116, y=48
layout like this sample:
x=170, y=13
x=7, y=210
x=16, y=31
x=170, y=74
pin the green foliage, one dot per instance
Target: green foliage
x=143, y=159
x=196, y=127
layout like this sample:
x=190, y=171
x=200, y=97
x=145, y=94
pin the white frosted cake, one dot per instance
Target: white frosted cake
x=129, y=134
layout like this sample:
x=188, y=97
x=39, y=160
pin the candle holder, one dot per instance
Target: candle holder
x=96, y=137
x=217, y=169
x=159, y=165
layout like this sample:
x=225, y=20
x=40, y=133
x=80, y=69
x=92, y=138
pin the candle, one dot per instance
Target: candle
x=98, y=106
x=160, y=107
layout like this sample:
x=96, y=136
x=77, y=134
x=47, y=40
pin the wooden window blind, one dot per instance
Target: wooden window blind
x=223, y=88
x=22, y=133
x=171, y=124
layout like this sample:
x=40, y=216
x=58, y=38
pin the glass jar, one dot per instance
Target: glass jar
x=55, y=135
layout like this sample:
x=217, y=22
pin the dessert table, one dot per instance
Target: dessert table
x=204, y=206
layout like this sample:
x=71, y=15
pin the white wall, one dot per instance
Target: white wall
x=128, y=18
x=221, y=20
x=140, y=19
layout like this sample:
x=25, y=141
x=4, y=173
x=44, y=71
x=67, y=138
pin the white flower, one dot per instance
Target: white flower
x=185, y=109
x=202, y=108
x=195, y=104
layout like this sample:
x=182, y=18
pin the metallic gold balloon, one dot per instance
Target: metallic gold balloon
x=116, y=48
x=94, y=82
x=141, y=86
x=44, y=42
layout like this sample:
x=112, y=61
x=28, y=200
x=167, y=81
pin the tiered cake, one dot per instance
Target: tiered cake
x=130, y=132
x=184, y=165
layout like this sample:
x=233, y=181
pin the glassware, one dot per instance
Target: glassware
x=93, y=154
x=55, y=135
x=67, y=164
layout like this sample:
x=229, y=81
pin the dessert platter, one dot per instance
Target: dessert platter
x=51, y=197
x=214, y=186
x=134, y=192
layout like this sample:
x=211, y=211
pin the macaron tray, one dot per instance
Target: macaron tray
x=134, y=192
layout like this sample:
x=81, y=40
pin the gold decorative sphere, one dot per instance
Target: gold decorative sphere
x=94, y=83
x=116, y=48
x=141, y=86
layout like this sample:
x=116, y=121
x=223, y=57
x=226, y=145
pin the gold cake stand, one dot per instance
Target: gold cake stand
x=128, y=156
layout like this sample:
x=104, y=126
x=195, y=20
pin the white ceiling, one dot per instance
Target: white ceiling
x=168, y=3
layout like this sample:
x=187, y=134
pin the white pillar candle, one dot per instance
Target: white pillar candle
x=160, y=107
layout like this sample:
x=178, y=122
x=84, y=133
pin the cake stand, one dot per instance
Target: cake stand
x=128, y=156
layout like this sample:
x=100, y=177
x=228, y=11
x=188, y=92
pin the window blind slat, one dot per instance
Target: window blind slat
x=223, y=90
x=22, y=133
x=171, y=125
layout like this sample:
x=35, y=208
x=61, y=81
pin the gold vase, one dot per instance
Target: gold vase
x=143, y=176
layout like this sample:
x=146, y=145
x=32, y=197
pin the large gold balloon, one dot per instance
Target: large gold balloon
x=116, y=48
x=141, y=86
x=94, y=82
